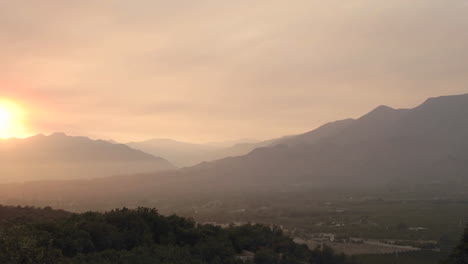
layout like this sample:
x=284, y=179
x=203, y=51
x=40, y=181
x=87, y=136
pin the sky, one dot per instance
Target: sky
x=210, y=70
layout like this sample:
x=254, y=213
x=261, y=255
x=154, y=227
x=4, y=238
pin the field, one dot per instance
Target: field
x=434, y=224
x=383, y=221
x=421, y=257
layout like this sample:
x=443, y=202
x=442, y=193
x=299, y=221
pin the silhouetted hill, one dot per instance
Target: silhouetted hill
x=233, y=142
x=185, y=154
x=240, y=149
x=426, y=145
x=59, y=156
x=179, y=153
x=326, y=131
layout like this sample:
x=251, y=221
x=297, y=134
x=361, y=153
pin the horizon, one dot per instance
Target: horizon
x=234, y=132
x=199, y=73
x=220, y=141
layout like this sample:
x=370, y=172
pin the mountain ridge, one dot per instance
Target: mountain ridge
x=60, y=156
x=414, y=146
x=185, y=154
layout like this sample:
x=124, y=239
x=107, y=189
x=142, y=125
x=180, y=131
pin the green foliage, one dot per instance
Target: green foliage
x=143, y=236
x=328, y=256
x=413, y=257
x=266, y=256
x=28, y=213
x=460, y=253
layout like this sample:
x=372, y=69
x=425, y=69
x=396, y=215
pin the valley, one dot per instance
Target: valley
x=376, y=185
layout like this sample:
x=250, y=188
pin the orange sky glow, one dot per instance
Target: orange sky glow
x=213, y=70
x=12, y=120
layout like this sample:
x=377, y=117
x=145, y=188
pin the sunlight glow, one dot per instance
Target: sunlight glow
x=11, y=120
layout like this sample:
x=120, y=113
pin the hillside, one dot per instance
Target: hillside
x=59, y=156
x=179, y=153
x=183, y=154
x=426, y=145
x=144, y=236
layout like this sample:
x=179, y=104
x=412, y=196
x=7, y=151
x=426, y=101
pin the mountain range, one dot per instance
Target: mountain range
x=59, y=156
x=425, y=145
x=183, y=154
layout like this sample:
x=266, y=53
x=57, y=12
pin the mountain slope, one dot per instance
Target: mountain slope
x=428, y=143
x=59, y=156
x=378, y=148
x=184, y=154
x=179, y=153
x=425, y=145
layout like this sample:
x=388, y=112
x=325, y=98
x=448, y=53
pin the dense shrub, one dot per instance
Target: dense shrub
x=143, y=236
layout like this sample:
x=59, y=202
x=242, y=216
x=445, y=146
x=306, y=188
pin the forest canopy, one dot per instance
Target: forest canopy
x=142, y=235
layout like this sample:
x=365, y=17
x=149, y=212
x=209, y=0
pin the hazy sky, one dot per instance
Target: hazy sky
x=220, y=69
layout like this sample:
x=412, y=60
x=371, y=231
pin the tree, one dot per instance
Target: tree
x=459, y=255
x=142, y=236
x=266, y=256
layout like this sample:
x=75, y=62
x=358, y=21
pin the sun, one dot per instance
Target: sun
x=11, y=120
x=5, y=117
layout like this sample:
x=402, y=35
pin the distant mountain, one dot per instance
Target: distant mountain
x=185, y=154
x=427, y=144
x=230, y=143
x=112, y=141
x=59, y=156
x=423, y=146
x=179, y=153
x=324, y=132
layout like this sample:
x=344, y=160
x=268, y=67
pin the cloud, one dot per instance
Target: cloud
x=210, y=69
